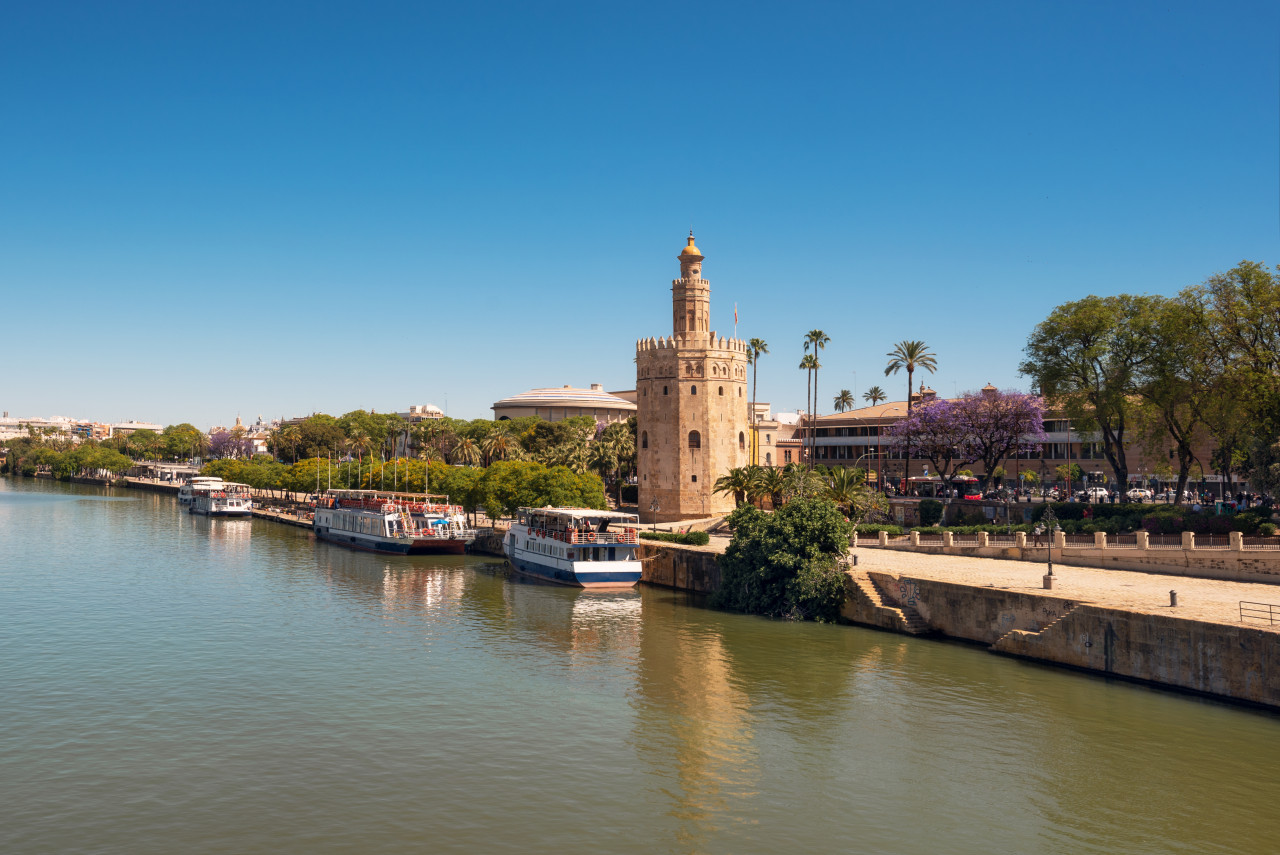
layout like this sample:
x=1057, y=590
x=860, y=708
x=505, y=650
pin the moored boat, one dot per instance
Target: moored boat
x=575, y=546
x=186, y=493
x=224, y=499
x=393, y=523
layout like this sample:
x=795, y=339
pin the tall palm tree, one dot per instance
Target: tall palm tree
x=843, y=401
x=910, y=355
x=497, y=445
x=466, y=451
x=756, y=348
x=819, y=340
x=875, y=395
x=806, y=365
x=736, y=481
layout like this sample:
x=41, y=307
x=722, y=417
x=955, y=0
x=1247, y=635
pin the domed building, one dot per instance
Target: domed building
x=567, y=401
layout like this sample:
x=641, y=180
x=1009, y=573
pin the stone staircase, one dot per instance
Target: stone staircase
x=1017, y=633
x=902, y=618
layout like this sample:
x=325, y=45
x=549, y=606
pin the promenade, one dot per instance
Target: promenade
x=1210, y=600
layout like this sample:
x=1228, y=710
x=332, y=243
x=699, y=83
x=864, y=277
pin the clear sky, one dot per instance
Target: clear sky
x=279, y=208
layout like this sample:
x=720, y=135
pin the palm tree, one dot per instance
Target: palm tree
x=756, y=348
x=360, y=443
x=843, y=401
x=466, y=451
x=819, y=340
x=497, y=445
x=736, y=481
x=910, y=355
x=875, y=395
x=807, y=365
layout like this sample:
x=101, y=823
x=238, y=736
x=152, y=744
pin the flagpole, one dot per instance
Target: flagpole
x=735, y=320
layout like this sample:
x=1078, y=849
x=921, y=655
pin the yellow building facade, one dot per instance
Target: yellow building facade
x=691, y=405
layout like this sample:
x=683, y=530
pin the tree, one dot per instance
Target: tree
x=785, y=563
x=1001, y=424
x=736, y=481
x=807, y=364
x=940, y=431
x=756, y=348
x=818, y=339
x=1086, y=358
x=910, y=355
x=875, y=395
x=843, y=401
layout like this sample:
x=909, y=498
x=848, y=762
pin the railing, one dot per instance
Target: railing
x=1122, y=541
x=1001, y=539
x=931, y=539
x=1262, y=543
x=1213, y=541
x=964, y=540
x=1078, y=539
x=1165, y=541
x=1259, y=612
x=594, y=537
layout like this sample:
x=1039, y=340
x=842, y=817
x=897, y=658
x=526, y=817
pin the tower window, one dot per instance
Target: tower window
x=768, y=459
x=739, y=391
x=695, y=479
x=693, y=390
x=664, y=390
x=645, y=393
x=742, y=441
x=721, y=391
x=644, y=439
x=695, y=439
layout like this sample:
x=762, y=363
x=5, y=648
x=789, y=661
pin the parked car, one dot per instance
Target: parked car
x=1138, y=494
x=1095, y=494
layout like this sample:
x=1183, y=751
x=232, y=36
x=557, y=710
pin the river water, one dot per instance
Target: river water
x=171, y=683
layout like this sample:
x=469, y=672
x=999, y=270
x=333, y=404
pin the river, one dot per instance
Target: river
x=171, y=683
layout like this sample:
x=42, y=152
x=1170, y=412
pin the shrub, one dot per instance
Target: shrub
x=1267, y=529
x=689, y=538
x=875, y=528
x=784, y=564
x=930, y=511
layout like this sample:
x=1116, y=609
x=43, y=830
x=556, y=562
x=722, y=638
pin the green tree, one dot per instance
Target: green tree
x=1086, y=358
x=843, y=401
x=818, y=340
x=785, y=563
x=875, y=395
x=736, y=481
x=910, y=354
x=808, y=364
x=756, y=348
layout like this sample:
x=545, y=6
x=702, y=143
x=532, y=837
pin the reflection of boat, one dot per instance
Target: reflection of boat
x=186, y=491
x=224, y=499
x=396, y=523
x=575, y=546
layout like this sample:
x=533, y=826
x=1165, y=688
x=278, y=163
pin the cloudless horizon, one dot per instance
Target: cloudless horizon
x=284, y=208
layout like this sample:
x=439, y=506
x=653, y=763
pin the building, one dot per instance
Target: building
x=692, y=405
x=421, y=412
x=567, y=401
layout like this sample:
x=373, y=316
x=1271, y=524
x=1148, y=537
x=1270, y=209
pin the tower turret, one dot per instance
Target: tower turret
x=690, y=294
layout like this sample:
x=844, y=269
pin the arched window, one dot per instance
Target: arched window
x=693, y=390
x=742, y=441
x=644, y=439
x=664, y=390
x=768, y=459
x=695, y=439
x=739, y=391
x=721, y=391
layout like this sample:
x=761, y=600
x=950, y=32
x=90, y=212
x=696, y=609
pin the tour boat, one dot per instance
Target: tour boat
x=224, y=499
x=575, y=546
x=185, y=493
x=394, y=523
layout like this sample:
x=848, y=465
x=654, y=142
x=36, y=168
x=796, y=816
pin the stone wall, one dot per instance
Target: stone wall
x=685, y=568
x=1233, y=661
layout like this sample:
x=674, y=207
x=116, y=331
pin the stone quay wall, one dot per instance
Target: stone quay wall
x=674, y=565
x=1232, y=661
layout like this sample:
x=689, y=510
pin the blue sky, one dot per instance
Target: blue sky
x=280, y=208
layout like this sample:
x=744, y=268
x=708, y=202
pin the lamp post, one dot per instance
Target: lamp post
x=653, y=509
x=1050, y=522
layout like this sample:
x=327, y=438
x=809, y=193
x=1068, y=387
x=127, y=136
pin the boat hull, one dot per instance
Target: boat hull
x=613, y=578
x=393, y=546
x=238, y=512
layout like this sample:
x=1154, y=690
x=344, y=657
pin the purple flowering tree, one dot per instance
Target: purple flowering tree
x=229, y=444
x=1001, y=424
x=939, y=431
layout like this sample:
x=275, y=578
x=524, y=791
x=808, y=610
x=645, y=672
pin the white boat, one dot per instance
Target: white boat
x=395, y=523
x=575, y=546
x=186, y=493
x=225, y=499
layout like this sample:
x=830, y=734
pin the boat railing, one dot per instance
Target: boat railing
x=626, y=535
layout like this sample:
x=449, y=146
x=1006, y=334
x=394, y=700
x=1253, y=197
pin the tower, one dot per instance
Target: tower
x=691, y=400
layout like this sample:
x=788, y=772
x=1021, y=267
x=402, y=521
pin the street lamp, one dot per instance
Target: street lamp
x=654, y=508
x=1050, y=522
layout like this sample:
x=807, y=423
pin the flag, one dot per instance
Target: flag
x=735, y=314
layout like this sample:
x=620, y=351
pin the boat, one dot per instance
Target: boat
x=224, y=499
x=185, y=492
x=582, y=547
x=392, y=523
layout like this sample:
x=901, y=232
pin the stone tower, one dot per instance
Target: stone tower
x=691, y=398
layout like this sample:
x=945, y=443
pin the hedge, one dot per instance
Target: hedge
x=690, y=538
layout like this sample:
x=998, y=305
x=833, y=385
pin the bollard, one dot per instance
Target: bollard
x=1047, y=581
x=1173, y=598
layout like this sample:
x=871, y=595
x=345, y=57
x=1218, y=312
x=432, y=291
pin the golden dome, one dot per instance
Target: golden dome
x=691, y=249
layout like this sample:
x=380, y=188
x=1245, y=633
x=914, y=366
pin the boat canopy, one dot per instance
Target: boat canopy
x=581, y=514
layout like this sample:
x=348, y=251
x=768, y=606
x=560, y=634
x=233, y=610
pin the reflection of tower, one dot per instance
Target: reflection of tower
x=691, y=404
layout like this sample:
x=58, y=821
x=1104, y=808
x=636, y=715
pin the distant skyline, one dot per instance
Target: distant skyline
x=281, y=208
